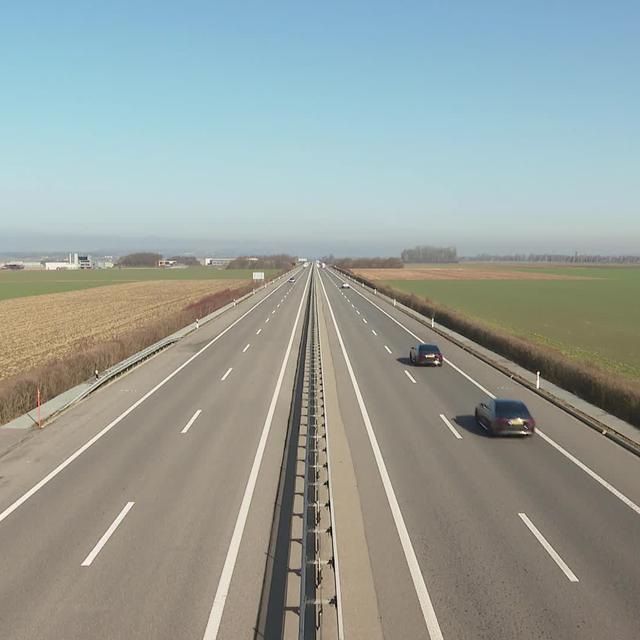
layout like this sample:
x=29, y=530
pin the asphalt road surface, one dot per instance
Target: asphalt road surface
x=145, y=511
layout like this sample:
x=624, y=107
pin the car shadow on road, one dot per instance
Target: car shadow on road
x=405, y=361
x=468, y=423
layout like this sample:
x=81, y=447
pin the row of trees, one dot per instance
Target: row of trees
x=279, y=261
x=426, y=253
x=365, y=263
x=552, y=257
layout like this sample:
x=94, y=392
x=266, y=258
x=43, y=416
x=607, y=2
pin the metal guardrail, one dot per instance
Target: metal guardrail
x=60, y=403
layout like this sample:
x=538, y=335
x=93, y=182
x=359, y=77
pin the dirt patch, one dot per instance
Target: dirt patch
x=459, y=273
x=36, y=329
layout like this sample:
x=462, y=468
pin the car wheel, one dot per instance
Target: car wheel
x=410, y=357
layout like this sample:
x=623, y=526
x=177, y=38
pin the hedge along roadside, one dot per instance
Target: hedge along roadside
x=603, y=389
x=18, y=393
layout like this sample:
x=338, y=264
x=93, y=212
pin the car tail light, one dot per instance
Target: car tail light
x=503, y=422
x=532, y=423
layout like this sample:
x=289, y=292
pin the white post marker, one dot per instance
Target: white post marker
x=433, y=322
x=394, y=302
x=537, y=379
x=193, y=419
x=107, y=534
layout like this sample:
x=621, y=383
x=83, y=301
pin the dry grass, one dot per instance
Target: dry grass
x=36, y=329
x=458, y=273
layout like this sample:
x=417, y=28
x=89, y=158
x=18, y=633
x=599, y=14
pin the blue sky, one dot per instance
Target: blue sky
x=488, y=125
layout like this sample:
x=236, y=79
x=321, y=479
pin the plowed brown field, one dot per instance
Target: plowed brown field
x=35, y=329
x=459, y=273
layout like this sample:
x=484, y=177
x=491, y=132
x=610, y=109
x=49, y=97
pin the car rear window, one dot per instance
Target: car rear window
x=511, y=409
x=429, y=348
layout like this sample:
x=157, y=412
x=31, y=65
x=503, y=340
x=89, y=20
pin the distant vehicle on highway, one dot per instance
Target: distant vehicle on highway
x=345, y=285
x=291, y=280
x=426, y=354
x=505, y=417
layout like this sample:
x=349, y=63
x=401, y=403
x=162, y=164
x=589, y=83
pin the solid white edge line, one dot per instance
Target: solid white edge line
x=191, y=421
x=451, y=427
x=545, y=437
x=334, y=529
x=589, y=472
x=228, y=371
x=245, y=349
x=217, y=608
x=107, y=534
x=387, y=348
x=65, y=463
x=410, y=377
x=419, y=584
x=549, y=549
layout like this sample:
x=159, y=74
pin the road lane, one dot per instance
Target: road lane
x=158, y=580
x=464, y=498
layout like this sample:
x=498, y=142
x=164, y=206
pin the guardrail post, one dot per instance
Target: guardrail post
x=394, y=302
x=537, y=379
x=433, y=322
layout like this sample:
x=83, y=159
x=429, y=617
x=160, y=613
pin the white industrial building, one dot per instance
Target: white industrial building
x=75, y=261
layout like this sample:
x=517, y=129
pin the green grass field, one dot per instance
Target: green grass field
x=590, y=320
x=16, y=284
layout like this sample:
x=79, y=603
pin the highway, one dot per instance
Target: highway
x=146, y=510
x=469, y=504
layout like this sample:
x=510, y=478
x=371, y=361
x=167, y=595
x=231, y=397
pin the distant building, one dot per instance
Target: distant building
x=167, y=263
x=75, y=261
x=217, y=262
x=59, y=266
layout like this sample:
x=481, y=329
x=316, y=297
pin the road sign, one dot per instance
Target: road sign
x=258, y=275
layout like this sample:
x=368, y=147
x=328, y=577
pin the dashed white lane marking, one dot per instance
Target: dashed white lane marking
x=222, y=591
x=78, y=452
x=548, y=548
x=267, y=320
x=364, y=320
x=410, y=377
x=426, y=605
x=273, y=312
x=191, y=421
x=357, y=312
x=387, y=348
x=278, y=305
x=554, y=444
x=353, y=305
x=588, y=471
x=374, y=332
x=248, y=345
x=224, y=377
x=107, y=534
x=451, y=427
x=258, y=332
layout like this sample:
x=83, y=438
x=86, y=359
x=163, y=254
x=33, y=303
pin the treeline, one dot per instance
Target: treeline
x=364, y=263
x=554, y=257
x=141, y=259
x=279, y=261
x=426, y=253
x=611, y=392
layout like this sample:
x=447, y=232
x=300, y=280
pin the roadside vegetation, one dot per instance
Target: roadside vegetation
x=578, y=326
